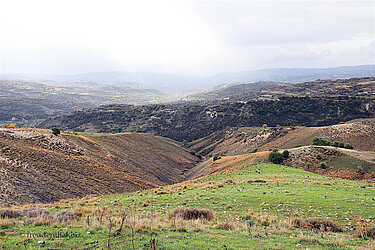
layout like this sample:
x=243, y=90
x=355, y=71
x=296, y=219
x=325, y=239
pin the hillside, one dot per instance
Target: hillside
x=256, y=206
x=38, y=167
x=341, y=163
x=191, y=122
x=238, y=145
x=34, y=100
x=235, y=90
x=232, y=141
x=361, y=87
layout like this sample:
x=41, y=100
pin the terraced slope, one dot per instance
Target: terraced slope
x=38, y=168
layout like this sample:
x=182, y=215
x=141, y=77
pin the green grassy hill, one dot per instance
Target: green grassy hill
x=259, y=206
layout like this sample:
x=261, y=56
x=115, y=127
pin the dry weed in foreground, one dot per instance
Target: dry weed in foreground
x=191, y=213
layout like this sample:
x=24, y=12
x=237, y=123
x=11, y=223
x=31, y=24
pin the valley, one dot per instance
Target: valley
x=198, y=173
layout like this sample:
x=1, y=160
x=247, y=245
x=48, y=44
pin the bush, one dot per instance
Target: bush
x=275, y=157
x=65, y=216
x=192, y=152
x=319, y=141
x=323, y=165
x=338, y=144
x=225, y=226
x=55, y=131
x=365, y=232
x=217, y=157
x=34, y=212
x=348, y=146
x=9, y=213
x=319, y=156
x=323, y=224
x=191, y=213
x=285, y=154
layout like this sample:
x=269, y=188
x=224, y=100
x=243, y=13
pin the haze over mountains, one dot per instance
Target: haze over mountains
x=172, y=82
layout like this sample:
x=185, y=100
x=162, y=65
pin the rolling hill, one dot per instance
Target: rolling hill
x=38, y=167
x=191, y=122
x=361, y=87
x=35, y=101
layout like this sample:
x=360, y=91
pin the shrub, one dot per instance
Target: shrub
x=217, y=157
x=365, y=232
x=323, y=224
x=65, y=216
x=162, y=192
x=256, y=181
x=275, y=157
x=9, y=213
x=250, y=222
x=319, y=156
x=192, y=152
x=34, y=212
x=348, y=146
x=225, y=225
x=338, y=144
x=285, y=153
x=323, y=165
x=192, y=213
x=55, y=131
x=321, y=141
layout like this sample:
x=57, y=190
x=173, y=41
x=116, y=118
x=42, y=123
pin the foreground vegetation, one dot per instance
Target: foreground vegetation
x=256, y=206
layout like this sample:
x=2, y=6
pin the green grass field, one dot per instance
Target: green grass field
x=347, y=162
x=287, y=193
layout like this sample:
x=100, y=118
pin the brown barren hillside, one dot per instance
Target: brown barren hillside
x=37, y=167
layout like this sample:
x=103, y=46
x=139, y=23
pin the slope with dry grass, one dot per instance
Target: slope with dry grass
x=233, y=141
x=256, y=206
x=41, y=168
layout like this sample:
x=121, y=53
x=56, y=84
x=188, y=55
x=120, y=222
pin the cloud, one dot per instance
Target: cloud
x=183, y=37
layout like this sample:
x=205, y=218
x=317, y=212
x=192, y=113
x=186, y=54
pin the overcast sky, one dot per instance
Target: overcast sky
x=183, y=37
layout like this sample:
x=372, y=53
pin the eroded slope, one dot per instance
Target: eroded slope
x=38, y=168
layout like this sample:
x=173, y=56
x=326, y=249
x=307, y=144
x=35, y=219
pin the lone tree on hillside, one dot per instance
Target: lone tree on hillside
x=55, y=131
x=275, y=156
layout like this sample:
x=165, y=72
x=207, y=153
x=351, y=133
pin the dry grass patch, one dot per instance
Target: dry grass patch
x=225, y=225
x=162, y=192
x=82, y=210
x=66, y=216
x=10, y=213
x=322, y=224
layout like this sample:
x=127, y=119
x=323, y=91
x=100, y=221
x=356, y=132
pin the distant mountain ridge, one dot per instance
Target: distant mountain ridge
x=364, y=86
x=178, y=82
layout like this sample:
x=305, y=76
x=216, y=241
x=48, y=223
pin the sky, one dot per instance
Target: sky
x=183, y=37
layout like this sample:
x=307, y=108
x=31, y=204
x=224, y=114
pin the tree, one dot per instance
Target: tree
x=323, y=165
x=321, y=141
x=285, y=154
x=275, y=157
x=55, y=131
x=338, y=144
